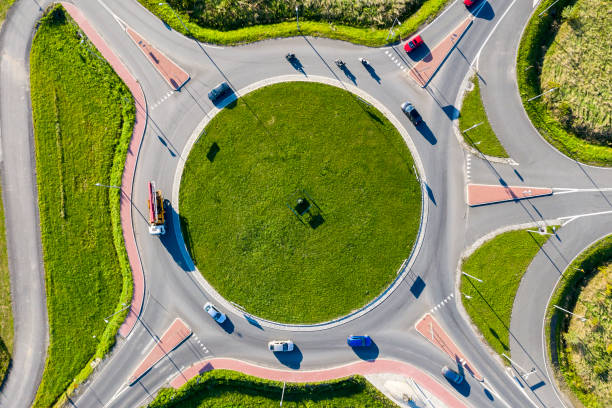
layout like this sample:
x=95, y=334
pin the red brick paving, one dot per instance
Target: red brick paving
x=172, y=337
x=480, y=194
x=171, y=72
x=429, y=327
x=425, y=69
x=378, y=366
x=130, y=164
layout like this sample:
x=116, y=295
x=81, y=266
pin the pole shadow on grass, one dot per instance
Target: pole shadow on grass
x=291, y=359
x=369, y=353
x=170, y=241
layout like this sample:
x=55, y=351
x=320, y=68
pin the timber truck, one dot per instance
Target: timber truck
x=156, y=211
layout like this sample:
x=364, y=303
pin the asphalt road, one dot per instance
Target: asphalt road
x=172, y=287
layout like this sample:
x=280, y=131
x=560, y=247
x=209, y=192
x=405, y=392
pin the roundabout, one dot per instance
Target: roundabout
x=299, y=210
x=171, y=287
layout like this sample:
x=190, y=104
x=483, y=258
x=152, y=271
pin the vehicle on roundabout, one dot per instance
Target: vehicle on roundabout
x=340, y=63
x=452, y=375
x=359, y=341
x=214, y=313
x=412, y=113
x=413, y=43
x=280, y=346
x=219, y=91
x=290, y=56
x=364, y=61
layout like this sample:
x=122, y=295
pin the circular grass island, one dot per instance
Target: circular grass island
x=299, y=202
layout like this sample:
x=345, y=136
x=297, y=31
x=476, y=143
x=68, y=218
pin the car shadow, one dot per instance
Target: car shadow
x=426, y=132
x=464, y=388
x=451, y=112
x=291, y=359
x=228, y=102
x=369, y=353
x=227, y=325
x=486, y=12
x=170, y=241
x=421, y=53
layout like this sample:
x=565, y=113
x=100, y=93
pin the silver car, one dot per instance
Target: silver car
x=279, y=346
x=214, y=313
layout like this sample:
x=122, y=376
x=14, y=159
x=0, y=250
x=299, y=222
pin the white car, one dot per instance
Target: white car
x=214, y=313
x=280, y=345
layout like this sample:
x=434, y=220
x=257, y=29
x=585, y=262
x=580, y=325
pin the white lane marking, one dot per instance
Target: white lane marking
x=477, y=57
x=571, y=218
x=117, y=394
x=579, y=190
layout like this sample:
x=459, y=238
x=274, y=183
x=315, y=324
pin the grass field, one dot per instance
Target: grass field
x=501, y=264
x=591, y=341
x=4, y=6
x=221, y=388
x=539, y=34
x=83, y=116
x=472, y=113
x=358, y=173
x=579, y=63
x=6, y=313
x=180, y=19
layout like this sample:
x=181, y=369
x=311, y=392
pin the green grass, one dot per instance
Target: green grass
x=247, y=242
x=481, y=137
x=222, y=388
x=579, y=63
x=83, y=116
x=5, y=5
x=501, y=264
x=537, y=37
x=581, y=271
x=359, y=35
x=6, y=313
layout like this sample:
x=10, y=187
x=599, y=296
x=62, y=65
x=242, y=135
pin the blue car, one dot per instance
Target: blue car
x=359, y=341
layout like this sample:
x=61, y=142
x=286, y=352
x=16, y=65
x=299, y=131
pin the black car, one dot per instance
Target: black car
x=412, y=113
x=219, y=91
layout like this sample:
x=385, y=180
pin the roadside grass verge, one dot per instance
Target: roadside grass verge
x=374, y=37
x=224, y=388
x=501, y=264
x=83, y=116
x=578, y=274
x=5, y=5
x=239, y=192
x=482, y=137
x=539, y=34
x=579, y=64
x=6, y=313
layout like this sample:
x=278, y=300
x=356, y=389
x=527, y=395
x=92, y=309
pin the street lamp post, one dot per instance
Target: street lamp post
x=466, y=295
x=297, y=16
x=176, y=15
x=542, y=94
x=582, y=318
x=475, y=126
x=473, y=277
x=104, y=185
x=106, y=319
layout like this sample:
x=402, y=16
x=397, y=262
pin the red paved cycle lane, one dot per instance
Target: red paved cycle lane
x=481, y=194
x=168, y=69
x=432, y=331
x=130, y=164
x=174, y=335
x=424, y=70
x=378, y=366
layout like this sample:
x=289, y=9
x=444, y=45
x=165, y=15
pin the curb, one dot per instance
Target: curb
x=404, y=269
x=469, y=251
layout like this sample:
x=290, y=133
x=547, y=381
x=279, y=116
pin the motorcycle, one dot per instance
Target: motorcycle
x=290, y=56
x=340, y=63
